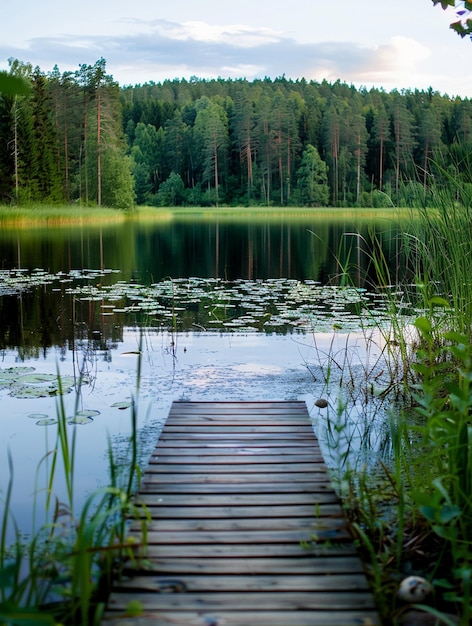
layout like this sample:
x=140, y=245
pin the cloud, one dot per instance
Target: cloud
x=161, y=49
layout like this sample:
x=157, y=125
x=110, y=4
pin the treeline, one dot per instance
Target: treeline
x=63, y=141
x=79, y=137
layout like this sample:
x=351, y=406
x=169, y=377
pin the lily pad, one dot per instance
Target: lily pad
x=87, y=413
x=12, y=373
x=37, y=378
x=20, y=391
x=38, y=416
x=78, y=419
x=122, y=405
x=48, y=421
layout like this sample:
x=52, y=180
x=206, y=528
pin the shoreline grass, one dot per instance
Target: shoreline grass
x=76, y=215
x=63, y=573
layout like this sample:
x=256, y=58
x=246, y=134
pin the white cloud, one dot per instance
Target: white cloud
x=238, y=35
x=400, y=54
x=138, y=50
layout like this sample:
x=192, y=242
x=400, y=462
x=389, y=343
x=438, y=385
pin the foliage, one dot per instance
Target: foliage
x=438, y=245
x=463, y=25
x=445, y=498
x=232, y=142
x=312, y=178
x=63, y=574
x=171, y=192
x=62, y=137
x=13, y=85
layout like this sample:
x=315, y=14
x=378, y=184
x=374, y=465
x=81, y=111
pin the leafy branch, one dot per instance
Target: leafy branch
x=463, y=9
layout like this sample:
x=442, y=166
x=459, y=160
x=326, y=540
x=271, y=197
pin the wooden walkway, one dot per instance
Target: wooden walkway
x=246, y=528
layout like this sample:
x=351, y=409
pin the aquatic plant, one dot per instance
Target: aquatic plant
x=412, y=512
x=62, y=573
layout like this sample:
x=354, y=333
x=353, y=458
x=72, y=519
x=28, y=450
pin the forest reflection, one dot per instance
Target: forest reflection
x=323, y=251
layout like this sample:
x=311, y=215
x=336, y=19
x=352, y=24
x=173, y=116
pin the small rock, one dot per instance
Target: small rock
x=414, y=589
x=321, y=403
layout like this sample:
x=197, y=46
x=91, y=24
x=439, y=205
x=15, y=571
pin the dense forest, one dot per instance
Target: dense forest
x=78, y=137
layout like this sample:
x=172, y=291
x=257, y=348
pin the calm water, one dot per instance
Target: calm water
x=215, y=325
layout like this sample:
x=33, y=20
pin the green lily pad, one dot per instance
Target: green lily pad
x=87, y=413
x=37, y=378
x=38, y=416
x=77, y=419
x=12, y=373
x=35, y=391
x=48, y=421
x=122, y=405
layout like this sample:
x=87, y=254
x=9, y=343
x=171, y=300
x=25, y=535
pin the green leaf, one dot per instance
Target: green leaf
x=429, y=512
x=448, y=513
x=438, y=301
x=423, y=324
x=458, y=28
x=13, y=85
x=446, y=532
x=134, y=608
x=122, y=405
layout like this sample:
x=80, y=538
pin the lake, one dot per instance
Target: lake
x=219, y=307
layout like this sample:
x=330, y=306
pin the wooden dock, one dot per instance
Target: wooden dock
x=246, y=527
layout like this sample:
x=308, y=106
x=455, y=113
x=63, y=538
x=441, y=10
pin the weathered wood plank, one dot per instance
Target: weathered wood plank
x=181, y=444
x=271, y=523
x=221, y=429
x=230, y=512
x=254, y=437
x=245, y=530
x=285, y=407
x=329, y=528
x=201, y=553
x=228, y=450
x=234, y=500
x=284, y=600
x=247, y=468
x=157, y=487
x=237, y=479
x=363, y=617
x=257, y=582
x=234, y=460
x=336, y=564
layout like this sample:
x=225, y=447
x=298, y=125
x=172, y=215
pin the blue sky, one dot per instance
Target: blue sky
x=384, y=43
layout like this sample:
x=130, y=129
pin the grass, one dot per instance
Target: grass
x=74, y=215
x=64, y=572
x=413, y=516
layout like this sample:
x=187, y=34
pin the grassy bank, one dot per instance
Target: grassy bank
x=75, y=215
x=412, y=515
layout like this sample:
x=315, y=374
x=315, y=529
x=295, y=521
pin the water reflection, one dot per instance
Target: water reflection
x=302, y=249
x=49, y=324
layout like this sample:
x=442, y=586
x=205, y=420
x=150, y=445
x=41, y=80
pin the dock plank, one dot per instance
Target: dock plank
x=245, y=530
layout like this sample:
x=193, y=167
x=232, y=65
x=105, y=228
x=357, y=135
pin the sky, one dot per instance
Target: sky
x=389, y=44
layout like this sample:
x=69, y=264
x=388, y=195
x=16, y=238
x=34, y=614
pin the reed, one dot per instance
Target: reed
x=413, y=513
x=64, y=572
x=58, y=216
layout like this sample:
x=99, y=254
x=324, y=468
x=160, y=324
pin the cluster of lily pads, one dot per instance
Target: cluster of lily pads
x=272, y=305
x=18, y=280
x=23, y=382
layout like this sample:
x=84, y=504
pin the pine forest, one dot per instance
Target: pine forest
x=79, y=137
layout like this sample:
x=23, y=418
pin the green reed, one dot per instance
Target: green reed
x=419, y=501
x=437, y=239
x=64, y=572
